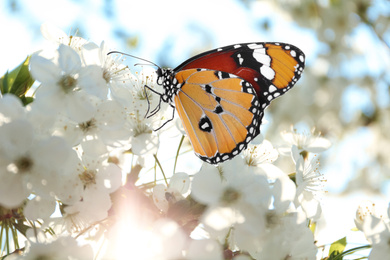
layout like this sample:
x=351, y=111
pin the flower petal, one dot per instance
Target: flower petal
x=284, y=193
x=79, y=108
x=319, y=145
x=52, y=33
x=180, y=181
x=39, y=208
x=159, y=197
x=69, y=59
x=44, y=70
x=12, y=190
x=91, y=81
x=10, y=108
x=207, y=185
x=16, y=138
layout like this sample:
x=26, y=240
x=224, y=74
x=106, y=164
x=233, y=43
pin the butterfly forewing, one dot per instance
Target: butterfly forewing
x=220, y=112
x=271, y=68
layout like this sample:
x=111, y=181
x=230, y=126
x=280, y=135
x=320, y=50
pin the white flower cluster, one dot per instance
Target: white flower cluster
x=251, y=205
x=374, y=221
x=66, y=150
x=56, y=151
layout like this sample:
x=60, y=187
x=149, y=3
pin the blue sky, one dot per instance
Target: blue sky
x=168, y=31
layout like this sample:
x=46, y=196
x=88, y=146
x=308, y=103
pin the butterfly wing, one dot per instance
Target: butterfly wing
x=271, y=68
x=220, y=112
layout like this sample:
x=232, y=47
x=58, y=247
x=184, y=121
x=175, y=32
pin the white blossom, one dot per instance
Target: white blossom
x=163, y=196
x=365, y=209
x=11, y=108
x=377, y=232
x=57, y=36
x=39, y=208
x=106, y=125
x=62, y=80
x=310, y=187
x=260, y=151
x=300, y=143
x=287, y=239
x=63, y=248
x=233, y=195
x=94, y=183
x=28, y=164
x=113, y=70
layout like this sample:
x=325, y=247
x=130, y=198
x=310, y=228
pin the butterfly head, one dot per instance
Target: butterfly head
x=166, y=78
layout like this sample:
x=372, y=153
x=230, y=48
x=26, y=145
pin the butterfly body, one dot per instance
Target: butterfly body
x=220, y=95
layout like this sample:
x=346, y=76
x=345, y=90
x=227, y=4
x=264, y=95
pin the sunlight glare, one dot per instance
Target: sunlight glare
x=134, y=241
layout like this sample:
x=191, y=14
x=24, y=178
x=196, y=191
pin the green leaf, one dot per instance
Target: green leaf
x=4, y=83
x=18, y=81
x=337, y=248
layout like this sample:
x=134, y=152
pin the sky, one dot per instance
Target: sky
x=196, y=27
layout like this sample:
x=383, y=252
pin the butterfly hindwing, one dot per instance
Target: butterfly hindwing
x=221, y=112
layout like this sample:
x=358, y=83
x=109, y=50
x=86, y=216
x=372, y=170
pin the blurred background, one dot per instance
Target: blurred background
x=344, y=91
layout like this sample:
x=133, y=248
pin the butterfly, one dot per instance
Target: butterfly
x=220, y=95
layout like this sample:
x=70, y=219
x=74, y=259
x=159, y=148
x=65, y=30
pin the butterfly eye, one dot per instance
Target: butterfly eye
x=159, y=72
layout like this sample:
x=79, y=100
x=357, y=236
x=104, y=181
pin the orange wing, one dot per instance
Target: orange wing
x=220, y=112
x=271, y=67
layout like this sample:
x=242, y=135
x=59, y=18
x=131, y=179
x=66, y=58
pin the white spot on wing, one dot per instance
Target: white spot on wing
x=261, y=57
x=255, y=46
x=205, y=125
x=293, y=53
x=267, y=72
x=272, y=88
x=240, y=59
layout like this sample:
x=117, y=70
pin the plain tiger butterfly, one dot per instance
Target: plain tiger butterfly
x=220, y=95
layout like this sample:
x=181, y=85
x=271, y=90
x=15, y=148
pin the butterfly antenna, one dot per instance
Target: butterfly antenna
x=144, y=64
x=135, y=57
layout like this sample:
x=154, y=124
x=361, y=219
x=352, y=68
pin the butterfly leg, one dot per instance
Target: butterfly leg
x=155, y=110
x=169, y=120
